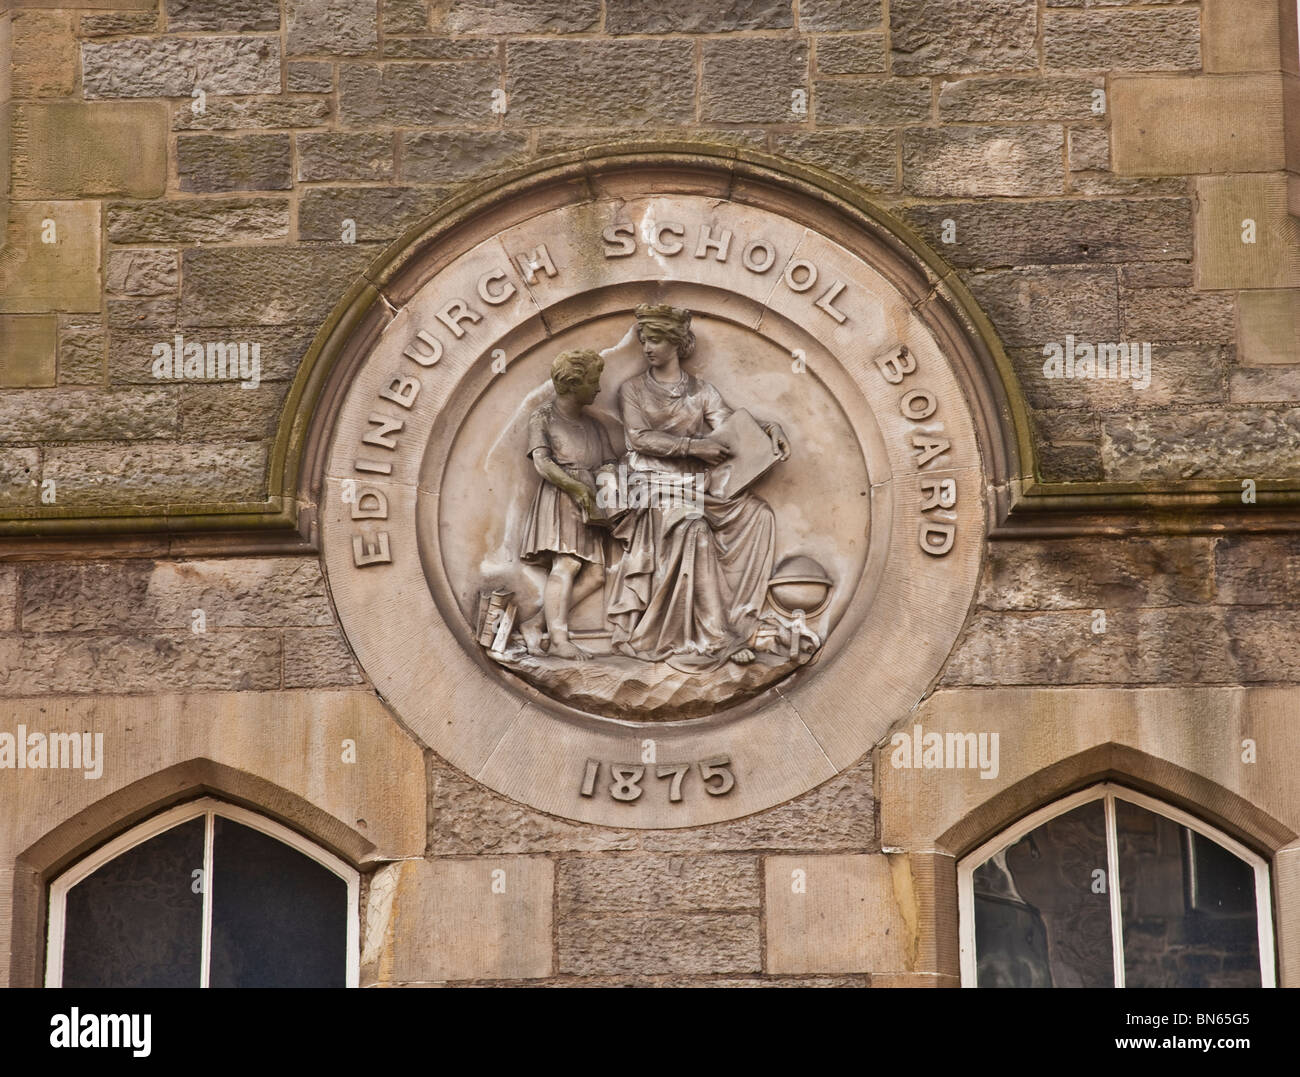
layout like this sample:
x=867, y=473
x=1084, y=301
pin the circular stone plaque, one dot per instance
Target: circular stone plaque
x=653, y=505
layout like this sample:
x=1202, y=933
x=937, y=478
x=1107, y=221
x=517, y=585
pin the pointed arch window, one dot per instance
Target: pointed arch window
x=205, y=894
x=1109, y=887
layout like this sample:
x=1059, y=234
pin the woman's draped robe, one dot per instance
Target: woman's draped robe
x=690, y=588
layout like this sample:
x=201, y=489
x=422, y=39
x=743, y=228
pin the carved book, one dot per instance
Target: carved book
x=751, y=455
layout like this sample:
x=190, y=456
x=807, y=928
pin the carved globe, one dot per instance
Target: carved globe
x=799, y=583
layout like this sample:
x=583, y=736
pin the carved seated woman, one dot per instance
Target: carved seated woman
x=690, y=587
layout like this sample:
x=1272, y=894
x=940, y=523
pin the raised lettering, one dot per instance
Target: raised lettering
x=494, y=297
x=619, y=241
x=370, y=504
x=365, y=552
x=386, y=426
x=809, y=279
x=936, y=538
x=657, y=240
x=895, y=367
x=531, y=261
x=414, y=353
x=401, y=391
x=456, y=312
x=827, y=300
x=720, y=246
x=750, y=260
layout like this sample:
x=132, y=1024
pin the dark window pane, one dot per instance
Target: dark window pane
x=1188, y=905
x=279, y=919
x=136, y=921
x=1039, y=921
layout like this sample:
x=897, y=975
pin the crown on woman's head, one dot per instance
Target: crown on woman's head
x=663, y=316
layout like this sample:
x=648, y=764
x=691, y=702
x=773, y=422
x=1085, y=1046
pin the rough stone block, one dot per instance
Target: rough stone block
x=174, y=66
x=279, y=349
x=115, y=23
x=480, y=919
x=155, y=312
x=142, y=272
x=1178, y=314
x=444, y=157
x=640, y=884
x=157, y=474
x=319, y=658
x=33, y=416
x=44, y=54
x=198, y=220
x=208, y=163
x=231, y=412
x=869, y=158
x=81, y=353
x=1280, y=385
x=379, y=213
x=872, y=102
x=958, y=161
x=1123, y=40
x=1067, y=446
x=1179, y=374
x=1268, y=327
x=762, y=80
x=1265, y=641
x=1257, y=570
x=641, y=83
x=1240, y=35
x=945, y=36
x=681, y=944
x=838, y=914
x=1156, y=275
x=1186, y=126
x=233, y=114
x=520, y=16
x=405, y=16
x=345, y=157
x=851, y=54
x=1088, y=149
x=1058, y=232
x=999, y=100
x=1225, y=257
x=335, y=27
x=222, y=15
x=27, y=349
x=8, y=598
x=75, y=150
x=821, y=15
x=309, y=76
x=230, y=285
x=20, y=472
x=420, y=94
x=566, y=140
x=1031, y=307
x=38, y=276
x=1223, y=444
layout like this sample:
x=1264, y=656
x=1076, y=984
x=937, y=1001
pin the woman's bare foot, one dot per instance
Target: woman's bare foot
x=567, y=649
x=743, y=656
x=532, y=633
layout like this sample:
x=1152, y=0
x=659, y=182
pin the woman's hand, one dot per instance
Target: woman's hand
x=708, y=450
x=587, y=501
x=779, y=444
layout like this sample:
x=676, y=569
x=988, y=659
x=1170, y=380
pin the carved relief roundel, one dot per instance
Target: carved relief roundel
x=653, y=508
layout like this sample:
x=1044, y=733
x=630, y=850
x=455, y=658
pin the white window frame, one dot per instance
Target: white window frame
x=1109, y=793
x=209, y=808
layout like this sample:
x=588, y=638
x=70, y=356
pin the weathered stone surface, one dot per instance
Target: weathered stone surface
x=642, y=83
x=20, y=472
x=229, y=285
x=27, y=350
x=112, y=23
x=1124, y=40
x=231, y=412
x=1240, y=35
x=1178, y=374
x=851, y=54
x=837, y=815
x=1257, y=570
x=222, y=15
x=754, y=81
x=1091, y=573
x=650, y=945
x=417, y=94
x=318, y=658
x=174, y=66
x=345, y=157
x=1232, y=254
x=1156, y=275
x=1261, y=386
x=439, y=48
x=81, y=353
x=1107, y=183
x=956, y=161
x=379, y=213
x=1061, y=648
x=696, y=16
x=279, y=349
x=1031, y=307
x=141, y=272
x=227, y=114
x=215, y=661
x=835, y=914
x=577, y=138
x=154, y=312
x=309, y=76
x=866, y=157
x=657, y=883
x=1178, y=314
x=998, y=100
x=36, y=415
x=943, y=36
x=1241, y=443
x=209, y=163
x=157, y=474
x=819, y=15
x=872, y=102
x=466, y=818
x=444, y=157
x=1088, y=149
x=1268, y=327
x=518, y=17
x=68, y=149
x=440, y=920
x=1058, y=232
x=161, y=595
x=44, y=54
x=1068, y=446
x=35, y=276
x=8, y=597
x=336, y=27
x=1266, y=643
x=1194, y=125
x=405, y=16
x=203, y=220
